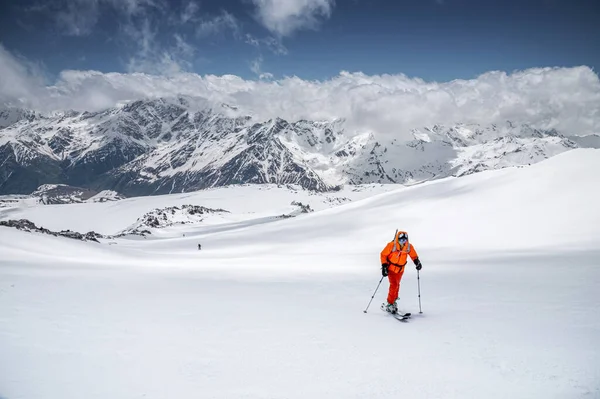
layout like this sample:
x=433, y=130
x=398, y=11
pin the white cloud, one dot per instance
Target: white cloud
x=182, y=47
x=251, y=40
x=284, y=17
x=135, y=7
x=255, y=65
x=141, y=29
x=271, y=43
x=220, y=23
x=79, y=17
x=563, y=98
x=164, y=63
x=146, y=48
x=256, y=68
x=189, y=12
x=19, y=83
x=157, y=59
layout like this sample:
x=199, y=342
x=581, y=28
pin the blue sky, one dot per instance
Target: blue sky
x=437, y=40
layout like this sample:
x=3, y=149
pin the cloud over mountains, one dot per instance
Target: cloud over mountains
x=564, y=98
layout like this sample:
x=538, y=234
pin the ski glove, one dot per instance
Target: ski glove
x=384, y=269
x=418, y=264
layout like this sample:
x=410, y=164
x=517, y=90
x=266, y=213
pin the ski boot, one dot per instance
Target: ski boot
x=391, y=308
x=396, y=303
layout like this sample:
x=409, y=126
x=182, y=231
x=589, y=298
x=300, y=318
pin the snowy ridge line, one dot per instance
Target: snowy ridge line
x=30, y=227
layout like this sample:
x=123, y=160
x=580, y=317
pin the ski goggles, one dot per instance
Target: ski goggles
x=402, y=240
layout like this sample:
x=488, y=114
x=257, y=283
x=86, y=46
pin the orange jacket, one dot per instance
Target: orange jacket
x=396, y=254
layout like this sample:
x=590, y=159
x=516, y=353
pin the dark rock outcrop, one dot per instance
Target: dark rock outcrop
x=28, y=226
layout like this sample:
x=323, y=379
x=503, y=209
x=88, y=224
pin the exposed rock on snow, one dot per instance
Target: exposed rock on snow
x=169, y=216
x=56, y=194
x=51, y=194
x=28, y=226
x=105, y=196
x=301, y=208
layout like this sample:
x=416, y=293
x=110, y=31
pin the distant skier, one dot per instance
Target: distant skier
x=393, y=259
x=199, y=247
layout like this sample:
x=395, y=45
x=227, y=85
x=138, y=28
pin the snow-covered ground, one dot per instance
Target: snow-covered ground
x=244, y=202
x=273, y=308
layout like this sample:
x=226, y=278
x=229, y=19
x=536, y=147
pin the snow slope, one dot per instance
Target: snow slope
x=245, y=202
x=274, y=310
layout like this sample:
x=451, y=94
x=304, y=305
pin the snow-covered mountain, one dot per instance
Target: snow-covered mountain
x=10, y=116
x=184, y=144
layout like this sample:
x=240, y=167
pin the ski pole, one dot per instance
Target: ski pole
x=419, y=284
x=365, y=311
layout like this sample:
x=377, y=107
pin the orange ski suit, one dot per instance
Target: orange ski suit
x=396, y=255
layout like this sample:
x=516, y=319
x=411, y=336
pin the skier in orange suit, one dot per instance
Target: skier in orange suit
x=393, y=259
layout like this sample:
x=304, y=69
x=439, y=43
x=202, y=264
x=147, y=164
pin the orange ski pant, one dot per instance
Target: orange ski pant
x=394, y=285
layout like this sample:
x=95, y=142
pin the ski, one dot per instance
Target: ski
x=401, y=317
x=397, y=316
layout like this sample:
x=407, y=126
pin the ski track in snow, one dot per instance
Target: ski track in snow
x=274, y=309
